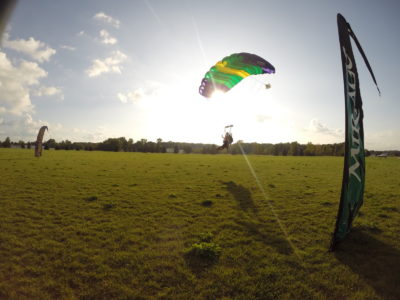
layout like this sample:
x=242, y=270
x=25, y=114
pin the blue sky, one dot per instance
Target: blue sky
x=95, y=69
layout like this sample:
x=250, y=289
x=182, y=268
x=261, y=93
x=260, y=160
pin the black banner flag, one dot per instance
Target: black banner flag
x=352, y=195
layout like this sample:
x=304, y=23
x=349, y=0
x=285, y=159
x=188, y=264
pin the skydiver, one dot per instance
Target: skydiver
x=227, y=141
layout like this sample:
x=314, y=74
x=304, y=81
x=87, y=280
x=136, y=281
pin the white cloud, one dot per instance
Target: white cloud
x=49, y=91
x=382, y=140
x=131, y=97
x=111, y=64
x=263, y=118
x=150, y=89
x=25, y=127
x=319, y=133
x=22, y=127
x=108, y=19
x=16, y=82
x=316, y=126
x=98, y=134
x=106, y=38
x=81, y=33
x=37, y=50
x=66, y=47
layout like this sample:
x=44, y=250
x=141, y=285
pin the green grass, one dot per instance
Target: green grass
x=99, y=225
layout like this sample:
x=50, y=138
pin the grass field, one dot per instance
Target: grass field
x=100, y=225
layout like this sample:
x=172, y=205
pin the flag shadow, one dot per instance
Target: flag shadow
x=374, y=261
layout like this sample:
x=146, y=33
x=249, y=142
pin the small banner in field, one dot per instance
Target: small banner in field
x=39, y=141
x=353, y=182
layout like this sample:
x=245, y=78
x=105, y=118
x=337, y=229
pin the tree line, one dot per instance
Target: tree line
x=143, y=145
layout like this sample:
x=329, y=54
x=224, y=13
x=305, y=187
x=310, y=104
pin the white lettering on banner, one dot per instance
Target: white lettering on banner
x=355, y=117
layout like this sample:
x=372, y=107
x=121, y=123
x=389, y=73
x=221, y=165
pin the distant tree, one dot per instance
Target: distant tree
x=257, y=148
x=285, y=149
x=89, y=147
x=234, y=149
x=339, y=149
x=210, y=149
x=7, y=143
x=159, y=145
x=130, y=145
x=51, y=143
x=187, y=149
x=113, y=144
x=294, y=149
x=163, y=149
x=68, y=145
x=64, y=145
x=21, y=144
x=276, y=149
x=140, y=146
x=151, y=147
x=77, y=146
x=268, y=149
x=123, y=144
x=310, y=149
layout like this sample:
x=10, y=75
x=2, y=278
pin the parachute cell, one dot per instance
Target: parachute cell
x=228, y=72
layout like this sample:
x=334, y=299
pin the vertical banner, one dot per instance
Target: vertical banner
x=352, y=194
x=6, y=9
x=39, y=141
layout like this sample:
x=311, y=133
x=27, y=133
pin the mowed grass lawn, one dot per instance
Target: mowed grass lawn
x=101, y=225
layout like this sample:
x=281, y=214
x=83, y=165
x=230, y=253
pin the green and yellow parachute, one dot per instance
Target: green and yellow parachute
x=228, y=72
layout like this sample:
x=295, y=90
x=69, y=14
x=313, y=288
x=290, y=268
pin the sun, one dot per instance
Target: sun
x=217, y=94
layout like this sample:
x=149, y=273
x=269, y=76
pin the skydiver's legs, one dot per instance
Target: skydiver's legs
x=224, y=146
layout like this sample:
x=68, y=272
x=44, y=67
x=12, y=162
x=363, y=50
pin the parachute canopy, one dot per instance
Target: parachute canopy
x=228, y=72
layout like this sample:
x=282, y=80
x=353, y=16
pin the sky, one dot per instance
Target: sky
x=97, y=69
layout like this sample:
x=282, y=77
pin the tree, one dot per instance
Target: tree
x=158, y=147
x=113, y=144
x=130, y=145
x=310, y=149
x=77, y=146
x=51, y=143
x=7, y=143
x=187, y=149
x=142, y=145
x=294, y=149
x=68, y=145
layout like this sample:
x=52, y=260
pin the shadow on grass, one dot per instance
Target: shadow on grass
x=198, y=265
x=258, y=229
x=264, y=234
x=242, y=195
x=374, y=261
x=17, y=159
